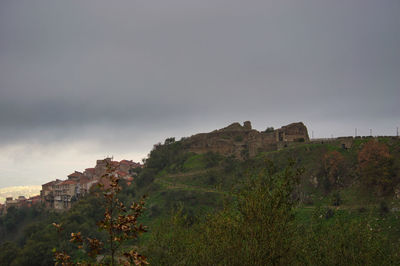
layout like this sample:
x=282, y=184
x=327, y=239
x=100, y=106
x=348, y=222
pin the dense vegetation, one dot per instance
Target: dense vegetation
x=315, y=204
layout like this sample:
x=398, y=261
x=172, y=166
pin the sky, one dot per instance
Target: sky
x=82, y=80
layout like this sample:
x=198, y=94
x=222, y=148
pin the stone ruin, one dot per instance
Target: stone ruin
x=243, y=141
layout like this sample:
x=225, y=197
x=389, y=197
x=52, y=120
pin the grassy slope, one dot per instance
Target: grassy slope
x=199, y=184
x=199, y=188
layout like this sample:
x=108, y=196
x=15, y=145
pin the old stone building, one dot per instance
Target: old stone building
x=64, y=193
x=10, y=202
x=19, y=202
x=243, y=141
x=47, y=193
x=89, y=172
x=61, y=194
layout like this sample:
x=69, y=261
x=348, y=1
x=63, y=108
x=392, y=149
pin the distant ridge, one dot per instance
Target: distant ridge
x=16, y=191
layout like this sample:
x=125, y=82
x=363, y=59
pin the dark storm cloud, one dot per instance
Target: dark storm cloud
x=196, y=65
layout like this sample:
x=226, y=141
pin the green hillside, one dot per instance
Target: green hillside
x=191, y=177
x=341, y=208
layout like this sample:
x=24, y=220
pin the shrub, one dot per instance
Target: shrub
x=345, y=242
x=119, y=222
x=329, y=213
x=333, y=168
x=337, y=200
x=211, y=159
x=239, y=138
x=269, y=129
x=383, y=208
x=375, y=166
x=254, y=228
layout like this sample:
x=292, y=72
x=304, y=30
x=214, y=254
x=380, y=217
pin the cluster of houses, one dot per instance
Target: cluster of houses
x=21, y=201
x=61, y=194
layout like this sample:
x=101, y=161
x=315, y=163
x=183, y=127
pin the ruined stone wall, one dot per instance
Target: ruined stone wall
x=243, y=141
x=294, y=132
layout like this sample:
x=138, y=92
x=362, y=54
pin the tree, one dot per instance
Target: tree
x=211, y=159
x=169, y=141
x=119, y=222
x=255, y=227
x=9, y=252
x=269, y=129
x=333, y=169
x=375, y=165
x=344, y=241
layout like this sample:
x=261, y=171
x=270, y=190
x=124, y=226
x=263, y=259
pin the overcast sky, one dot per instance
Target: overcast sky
x=80, y=80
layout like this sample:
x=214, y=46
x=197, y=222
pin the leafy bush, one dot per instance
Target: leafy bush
x=333, y=169
x=344, y=242
x=383, y=208
x=375, y=166
x=337, y=200
x=211, y=159
x=170, y=153
x=119, y=222
x=269, y=129
x=254, y=228
x=329, y=213
x=238, y=138
x=8, y=251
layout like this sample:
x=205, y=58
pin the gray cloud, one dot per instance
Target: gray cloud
x=73, y=71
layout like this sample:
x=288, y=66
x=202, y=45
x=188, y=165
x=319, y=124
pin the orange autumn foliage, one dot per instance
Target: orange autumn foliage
x=333, y=164
x=375, y=165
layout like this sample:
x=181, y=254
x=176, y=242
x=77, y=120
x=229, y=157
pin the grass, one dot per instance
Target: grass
x=196, y=188
x=194, y=162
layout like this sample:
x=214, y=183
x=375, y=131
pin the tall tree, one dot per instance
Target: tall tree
x=375, y=165
x=333, y=168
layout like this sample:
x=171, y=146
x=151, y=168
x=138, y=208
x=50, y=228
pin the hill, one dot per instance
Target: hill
x=347, y=187
x=330, y=168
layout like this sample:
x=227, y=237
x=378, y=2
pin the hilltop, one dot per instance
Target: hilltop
x=245, y=142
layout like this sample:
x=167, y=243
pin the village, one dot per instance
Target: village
x=61, y=194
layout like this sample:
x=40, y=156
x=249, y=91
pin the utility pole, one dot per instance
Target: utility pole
x=355, y=132
x=397, y=131
x=370, y=132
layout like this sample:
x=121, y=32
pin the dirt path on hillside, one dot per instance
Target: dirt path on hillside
x=192, y=173
x=175, y=185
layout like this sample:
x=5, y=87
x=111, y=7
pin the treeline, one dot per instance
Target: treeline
x=259, y=227
x=34, y=238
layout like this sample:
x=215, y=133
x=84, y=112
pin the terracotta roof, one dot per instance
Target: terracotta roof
x=76, y=174
x=129, y=178
x=49, y=183
x=135, y=165
x=126, y=162
x=68, y=182
x=35, y=197
x=120, y=173
x=90, y=170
